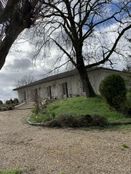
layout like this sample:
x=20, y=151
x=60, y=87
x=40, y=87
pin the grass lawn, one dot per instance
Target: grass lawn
x=78, y=106
x=11, y=172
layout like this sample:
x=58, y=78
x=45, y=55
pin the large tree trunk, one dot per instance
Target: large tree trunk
x=80, y=66
x=87, y=87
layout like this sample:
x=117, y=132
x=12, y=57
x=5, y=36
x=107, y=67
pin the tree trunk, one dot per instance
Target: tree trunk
x=80, y=66
x=87, y=87
x=7, y=42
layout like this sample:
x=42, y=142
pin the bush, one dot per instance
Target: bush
x=10, y=107
x=11, y=101
x=95, y=120
x=16, y=101
x=7, y=102
x=113, y=89
x=66, y=120
x=1, y=102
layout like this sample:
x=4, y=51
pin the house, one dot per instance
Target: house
x=66, y=84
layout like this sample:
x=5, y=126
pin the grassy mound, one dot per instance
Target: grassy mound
x=77, y=107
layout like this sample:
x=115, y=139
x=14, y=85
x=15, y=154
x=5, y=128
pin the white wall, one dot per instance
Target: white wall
x=74, y=85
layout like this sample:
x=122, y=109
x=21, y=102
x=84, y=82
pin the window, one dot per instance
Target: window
x=65, y=89
x=49, y=94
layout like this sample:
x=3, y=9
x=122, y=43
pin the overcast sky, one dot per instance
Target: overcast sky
x=20, y=62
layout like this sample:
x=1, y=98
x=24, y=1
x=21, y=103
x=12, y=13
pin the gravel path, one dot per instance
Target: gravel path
x=40, y=150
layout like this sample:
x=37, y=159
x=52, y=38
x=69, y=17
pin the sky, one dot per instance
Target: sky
x=18, y=64
x=20, y=61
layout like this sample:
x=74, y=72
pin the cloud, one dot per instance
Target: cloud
x=21, y=64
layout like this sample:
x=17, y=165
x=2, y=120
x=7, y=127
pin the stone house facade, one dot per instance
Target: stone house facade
x=67, y=84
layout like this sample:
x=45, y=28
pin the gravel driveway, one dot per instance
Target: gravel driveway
x=38, y=150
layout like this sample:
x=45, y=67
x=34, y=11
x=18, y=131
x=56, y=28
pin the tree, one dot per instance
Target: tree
x=1, y=102
x=14, y=18
x=69, y=22
x=128, y=59
x=76, y=23
x=25, y=80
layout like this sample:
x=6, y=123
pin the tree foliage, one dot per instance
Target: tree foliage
x=113, y=89
x=25, y=80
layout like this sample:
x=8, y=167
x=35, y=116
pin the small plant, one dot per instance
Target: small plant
x=125, y=146
x=113, y=89
x=35, y=110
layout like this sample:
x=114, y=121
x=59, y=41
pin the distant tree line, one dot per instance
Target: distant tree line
x=14, y=101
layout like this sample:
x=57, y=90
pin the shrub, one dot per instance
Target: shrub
x=16, y=101
x=113, y=89
x=10, y=107
x=95, y=120
x=11, y=101
x=66, y=120
x=52, y=123
x=35, y=110
x=99, y=121
x=85, y=120
x=1, y=102
x=7, y=102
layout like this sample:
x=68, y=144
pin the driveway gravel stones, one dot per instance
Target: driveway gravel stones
x=38, y=150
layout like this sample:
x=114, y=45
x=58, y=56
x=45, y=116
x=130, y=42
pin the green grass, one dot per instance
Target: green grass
x=11, y=172
x=39, y=118
x=78, y=106
x=82, y=105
